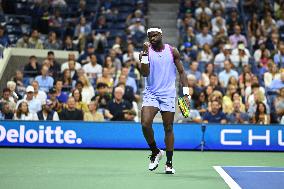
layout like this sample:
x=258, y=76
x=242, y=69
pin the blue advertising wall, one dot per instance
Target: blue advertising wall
x=129, y=135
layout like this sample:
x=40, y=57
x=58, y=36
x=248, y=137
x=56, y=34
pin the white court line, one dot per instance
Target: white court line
x=264, y=171
x=231, y=183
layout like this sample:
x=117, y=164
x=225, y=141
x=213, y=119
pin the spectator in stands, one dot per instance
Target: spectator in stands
x=188, y=54
x=54, y=68
x=47, y=114
x=56, y=105
x=71, y=112
x=99, y=40
x=82, y=30
x=85, y=56
x=194, y=71
x=32, y=69
x=8, y=98
x=137, y=27
x=6, y=112
x=203, y=21
x=271, y=74
x=66, y=65
x=220, y=58
x=278, y=105
x=272, y=43
x=277, y=84
x=240, y=59
x=93, y=70
x=93, y=114
x=227, y=73
x=67, y=82
x=4, y=40
x=202, y=7
x=189, y=38
x=61, y=96
x=130, y=80
x=34, y=104
x=261, y=115
x=214, y=83
x=209, y=69
x=237, y=37
x=52, y=42
x=233, y=20
x=217, y=5
x=129, y=94
x=116, y=61
x=254, y=29
x=44, y=80
x=279, y=57
x=205, y=55
x=17, y=92
x=216, y=115
x=118, y=105
x=130, y=54
x=201, y=104
x=106, y=78
x=267, y=24
x=204, y=37
x=261, y=53
x=131, y=18
x=23, y=112
x=23, y=42
x=56, y=22
x=218, y=23
x=38, y=94
x=34, y=41
x=68, y=44
x=237, y=116
x=103, y=96
x=87, y=91
x=78, y=101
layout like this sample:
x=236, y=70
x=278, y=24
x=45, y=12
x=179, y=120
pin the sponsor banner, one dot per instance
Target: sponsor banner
x=129, y=135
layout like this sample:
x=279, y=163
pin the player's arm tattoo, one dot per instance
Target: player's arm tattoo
x=181, y=71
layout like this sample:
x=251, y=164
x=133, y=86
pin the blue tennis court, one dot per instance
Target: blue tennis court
x=252, y=177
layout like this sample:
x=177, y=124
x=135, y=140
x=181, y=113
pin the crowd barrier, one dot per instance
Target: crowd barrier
x=128, y=135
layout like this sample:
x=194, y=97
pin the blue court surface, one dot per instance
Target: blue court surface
x=252, y=177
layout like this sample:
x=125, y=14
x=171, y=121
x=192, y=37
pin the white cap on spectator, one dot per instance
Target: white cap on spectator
x=227, y=47
x=30, y=89
x=241, y=46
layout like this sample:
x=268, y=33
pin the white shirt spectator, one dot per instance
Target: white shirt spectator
x=268, y=78
x=30, y=117
x=66, y=66
x=93, y=71
x=34, y=105
x=87, y=94
x=220, y=58
x=199, y=10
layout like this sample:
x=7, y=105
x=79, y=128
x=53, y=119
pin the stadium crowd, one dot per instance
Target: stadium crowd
x=233, y=56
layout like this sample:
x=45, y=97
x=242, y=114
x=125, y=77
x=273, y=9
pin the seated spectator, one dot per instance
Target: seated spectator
x=32, y=69
x=237, y=37
x=4, y=39
x=188, y=54
x=203, y=7
x=240, y=59
x=61, y=96
x=201, y=104
x=227, y=73
x=78, y=101
x=56, y=105
x=204, y=37
x=68, y=44
x=67, y=82
x=130, y=115
x=279, y=105
x=233, y=20
x=54, y=66
x=216, y=115
x=261, y=115
x=115, y=59
x=217, y=5
x=218, y=24
x=70, y=62
x=88, y=90
x=193, y=70
x=209, y=69
x=7, y=113
x=52, y=42
x=227, y=101
x=8, y=98
x=214, y=83
x=44, y=80
x=205, y=55
x=93, y=114
x=71, y=112
x=137, y=28
x=23, y=112
x=103, y=96
x=93, y=69
x=271, y=74
x=194, y=117
x=237, y=116
x=23, y=42
x=17, y=84
x=38, y=94
x=34, y=41
x=130, y=81
x=82, y=30
x=118, y=105
x=34, y=104
x=261, y=53
x=279, y=56
x=47, y=113
x=252, y=101
x=267, y=23
x=130, y=54
x=277, y=84
x=106, y=78
x=220, y=58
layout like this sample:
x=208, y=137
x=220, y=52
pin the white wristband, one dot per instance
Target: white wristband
x=185, y=91
x=144, y=60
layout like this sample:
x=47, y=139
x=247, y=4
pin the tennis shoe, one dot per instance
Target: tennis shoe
x=155, y=159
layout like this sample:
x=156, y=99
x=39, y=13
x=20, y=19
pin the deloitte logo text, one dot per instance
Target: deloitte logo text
x=42, y=135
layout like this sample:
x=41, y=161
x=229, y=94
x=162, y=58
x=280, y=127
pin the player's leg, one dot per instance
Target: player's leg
x=147, y=115
x=168, y=119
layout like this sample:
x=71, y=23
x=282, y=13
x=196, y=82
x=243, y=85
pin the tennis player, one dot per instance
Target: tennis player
x=159, y=62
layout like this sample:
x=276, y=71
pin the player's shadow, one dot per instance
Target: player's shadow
x=191, y=176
